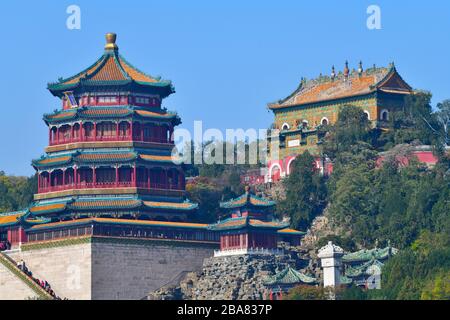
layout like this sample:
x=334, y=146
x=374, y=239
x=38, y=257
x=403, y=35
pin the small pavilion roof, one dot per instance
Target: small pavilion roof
x=363, y=269
x=368, y=255
x=247, y=199
x=344, y=85
x=246, y=222
x=289, y=276
x=111, y=69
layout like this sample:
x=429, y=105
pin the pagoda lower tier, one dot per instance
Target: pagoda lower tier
x=103, y=171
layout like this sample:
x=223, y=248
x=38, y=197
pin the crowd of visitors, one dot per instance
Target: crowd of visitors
x=5, y=245
x=42, y=283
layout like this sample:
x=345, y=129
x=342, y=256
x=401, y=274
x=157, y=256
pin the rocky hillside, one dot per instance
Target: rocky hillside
x=231, y=278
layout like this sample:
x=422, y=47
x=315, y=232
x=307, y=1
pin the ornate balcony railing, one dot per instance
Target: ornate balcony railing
x=107, y=185
x=137, y=138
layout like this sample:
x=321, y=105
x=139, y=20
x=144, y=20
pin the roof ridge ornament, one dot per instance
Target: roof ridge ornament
x=333, y=73
x=346, y=70
x=111, y=41
x=360, y=68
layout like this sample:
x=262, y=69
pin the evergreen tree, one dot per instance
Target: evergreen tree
x=304, y=192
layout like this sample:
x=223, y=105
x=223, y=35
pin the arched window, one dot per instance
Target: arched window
x=305, y=124
x=367, y=114
x=324, y=121
x=384, y=115
x=69, y=177
x=123, y=129
x=76, y=131
x=289, y=166
x=65, y=133
x=285, y=126
x=53, y=135
x=275, y=172
x=88, y=129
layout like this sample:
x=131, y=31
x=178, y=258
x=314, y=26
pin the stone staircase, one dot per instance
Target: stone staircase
x=11, y=265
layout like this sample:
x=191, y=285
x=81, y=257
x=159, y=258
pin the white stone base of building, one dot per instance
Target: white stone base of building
x=249, y=251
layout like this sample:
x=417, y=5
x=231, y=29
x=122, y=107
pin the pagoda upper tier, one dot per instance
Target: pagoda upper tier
x=108, y=73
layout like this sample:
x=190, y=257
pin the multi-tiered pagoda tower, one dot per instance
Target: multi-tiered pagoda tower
x=109, y=161
x=110, y=146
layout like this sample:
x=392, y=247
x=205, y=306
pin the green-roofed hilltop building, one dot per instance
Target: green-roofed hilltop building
x=281, y=282
x=362, y=268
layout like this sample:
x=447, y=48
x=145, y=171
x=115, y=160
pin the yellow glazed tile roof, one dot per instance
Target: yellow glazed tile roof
x=49, y=207
x=7, y=219
x=149, y=157
x=176, y=205
x=124, y=221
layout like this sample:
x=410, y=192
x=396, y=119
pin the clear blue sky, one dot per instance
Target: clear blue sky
x=227, y=59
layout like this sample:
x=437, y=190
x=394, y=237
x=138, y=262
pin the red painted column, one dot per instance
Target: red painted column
x=95, y=131
x=117, y=176
x=75, y=177
x=117, y=129
x=133, y=180
x=148, y=178
x=57, y=134
x=9, y=236
x=64, y=178
x=94, y=177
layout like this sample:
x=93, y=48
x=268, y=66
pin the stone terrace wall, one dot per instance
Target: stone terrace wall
x=131, y=270
x=12, y=288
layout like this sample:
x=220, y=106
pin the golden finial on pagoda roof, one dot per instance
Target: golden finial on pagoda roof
x=111, y=41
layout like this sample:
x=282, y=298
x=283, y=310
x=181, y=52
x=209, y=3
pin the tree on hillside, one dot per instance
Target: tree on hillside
x=352, y=126
x=305, y=192
x=417, y=271
x=208, y=197
x=16, y=193
x=414, y=121
x=443, y=118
